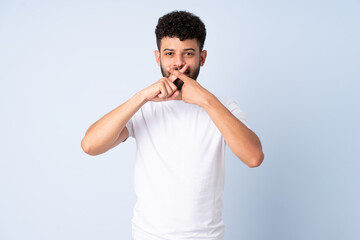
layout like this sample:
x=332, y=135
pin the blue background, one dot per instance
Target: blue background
x=292, y=67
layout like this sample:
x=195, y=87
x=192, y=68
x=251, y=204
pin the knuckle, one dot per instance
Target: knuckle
x=162, y=80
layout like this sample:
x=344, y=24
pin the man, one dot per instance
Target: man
x=181, y=130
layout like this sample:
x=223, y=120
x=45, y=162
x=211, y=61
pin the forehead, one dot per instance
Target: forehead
x=176, y=44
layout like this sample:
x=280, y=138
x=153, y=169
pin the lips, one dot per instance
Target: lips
x=186, y=72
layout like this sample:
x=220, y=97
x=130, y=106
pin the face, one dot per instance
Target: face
x=175, y=54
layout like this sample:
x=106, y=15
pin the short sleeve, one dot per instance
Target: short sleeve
x=130, y=127
x=236, y=111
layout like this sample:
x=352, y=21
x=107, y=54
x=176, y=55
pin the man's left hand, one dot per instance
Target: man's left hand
x=191, y=91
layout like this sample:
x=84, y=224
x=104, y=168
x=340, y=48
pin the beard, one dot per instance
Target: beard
x=191, y=73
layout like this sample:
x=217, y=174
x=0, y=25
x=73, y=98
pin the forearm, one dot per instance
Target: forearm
x=241, y=140
x=102, y=134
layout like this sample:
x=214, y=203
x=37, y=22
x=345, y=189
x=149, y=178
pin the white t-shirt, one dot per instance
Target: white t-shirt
x=179, y=171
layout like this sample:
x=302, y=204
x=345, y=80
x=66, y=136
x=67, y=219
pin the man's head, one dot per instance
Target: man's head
x=180, y=38
x=182, y=25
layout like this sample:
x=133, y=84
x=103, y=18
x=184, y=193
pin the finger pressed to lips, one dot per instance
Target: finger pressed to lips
x=182, y=70
x=176, y=76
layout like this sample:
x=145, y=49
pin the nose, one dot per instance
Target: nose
x=179, y=62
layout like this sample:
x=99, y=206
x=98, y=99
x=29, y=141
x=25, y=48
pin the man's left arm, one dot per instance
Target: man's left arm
x=241, y=140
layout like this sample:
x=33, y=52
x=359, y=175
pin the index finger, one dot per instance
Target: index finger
x=182, y=70
x=180, y=73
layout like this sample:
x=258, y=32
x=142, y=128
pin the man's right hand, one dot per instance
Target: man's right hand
x=162, y=90
x=111, y=129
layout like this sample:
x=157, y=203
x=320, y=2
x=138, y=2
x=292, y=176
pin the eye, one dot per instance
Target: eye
x=189, y=54
x=169, y=53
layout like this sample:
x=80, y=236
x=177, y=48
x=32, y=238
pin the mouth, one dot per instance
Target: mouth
x=187, y=72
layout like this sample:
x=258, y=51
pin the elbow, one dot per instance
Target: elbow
x=256, y=160
x=87, y=148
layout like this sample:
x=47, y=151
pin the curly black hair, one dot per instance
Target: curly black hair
x=180, y=24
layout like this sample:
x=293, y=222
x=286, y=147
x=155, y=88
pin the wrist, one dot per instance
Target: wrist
x=140, y=98
x=207, y=100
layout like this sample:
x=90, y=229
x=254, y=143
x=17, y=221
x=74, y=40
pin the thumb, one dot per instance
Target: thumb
x=173, y=96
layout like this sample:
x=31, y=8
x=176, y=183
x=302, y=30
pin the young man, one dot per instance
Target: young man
x=181, y=130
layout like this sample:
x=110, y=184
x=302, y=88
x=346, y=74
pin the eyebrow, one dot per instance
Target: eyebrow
x=186, y=49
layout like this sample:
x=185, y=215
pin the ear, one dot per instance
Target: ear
x=203, y=55
x=157, y=57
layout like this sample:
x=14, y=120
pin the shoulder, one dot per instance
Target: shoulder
x=228, y=102
x=234, y=108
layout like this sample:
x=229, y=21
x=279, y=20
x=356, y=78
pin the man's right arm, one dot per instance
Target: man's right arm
x=105, y=133
x=110, y=130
